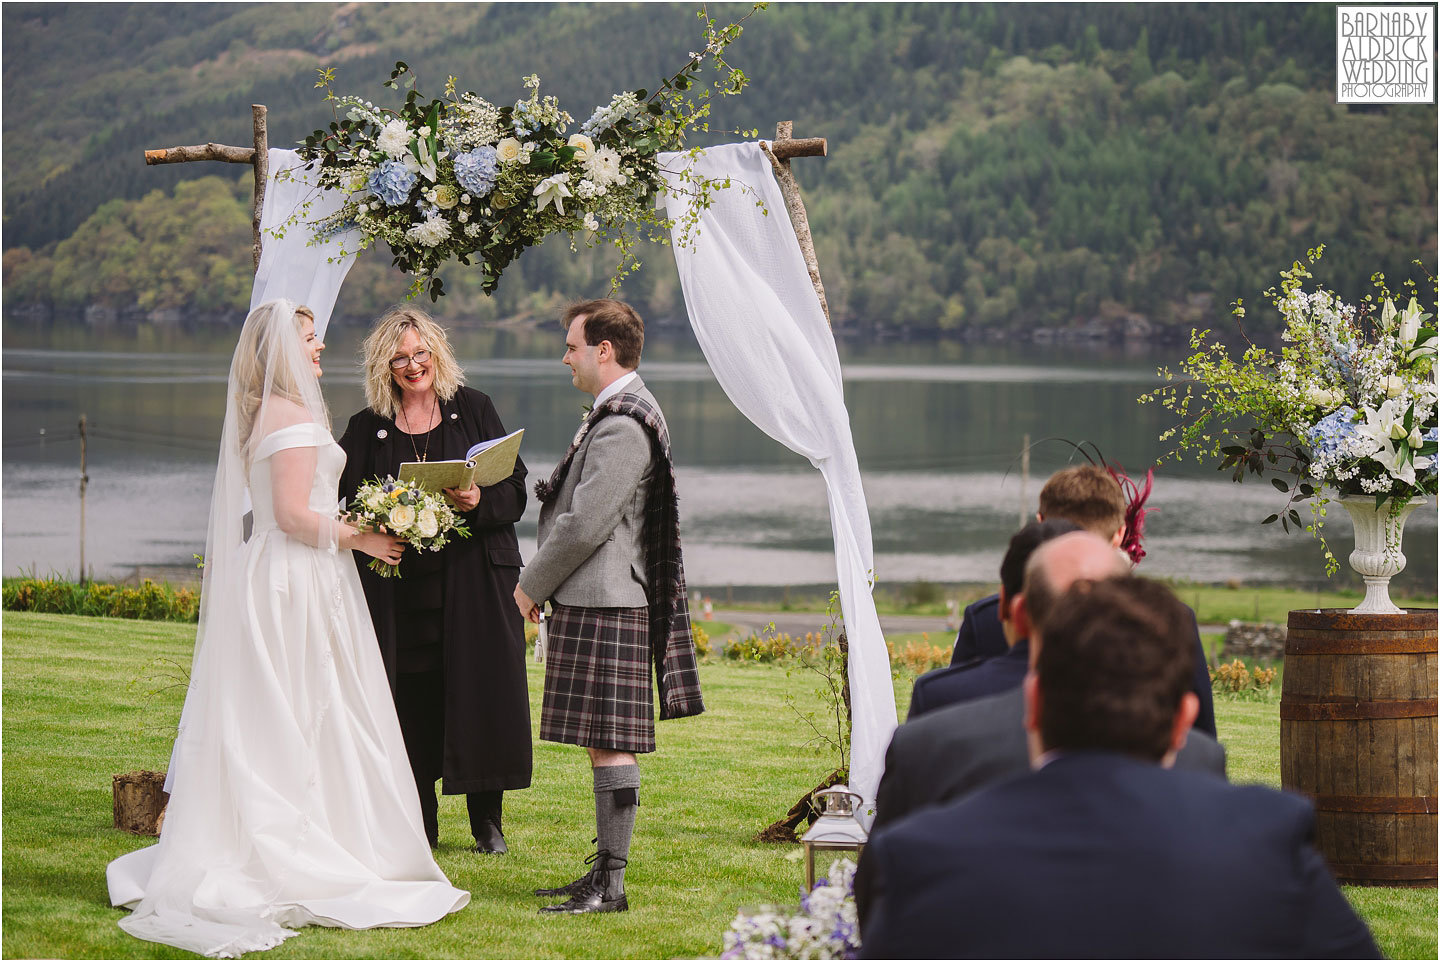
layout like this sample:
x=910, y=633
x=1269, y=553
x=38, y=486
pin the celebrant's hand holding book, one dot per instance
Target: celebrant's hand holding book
x=487, y=463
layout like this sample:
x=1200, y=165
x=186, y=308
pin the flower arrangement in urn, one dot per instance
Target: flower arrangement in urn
x=1347, y=406
x=459, y=177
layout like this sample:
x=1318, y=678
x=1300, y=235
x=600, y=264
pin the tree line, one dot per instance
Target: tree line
x=992, y=169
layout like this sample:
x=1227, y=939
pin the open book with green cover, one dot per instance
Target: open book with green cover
x=487, y=463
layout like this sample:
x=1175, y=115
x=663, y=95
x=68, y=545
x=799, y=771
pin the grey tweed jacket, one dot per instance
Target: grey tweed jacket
x=591, y=550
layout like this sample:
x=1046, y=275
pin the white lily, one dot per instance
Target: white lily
x=426, y=160
x=1380, y=429
x=1387, y=314
x=1409, y=324
x=552, y=190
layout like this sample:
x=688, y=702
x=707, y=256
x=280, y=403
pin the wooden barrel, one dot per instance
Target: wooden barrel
x=1358, y=735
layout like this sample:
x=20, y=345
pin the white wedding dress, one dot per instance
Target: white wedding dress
x=292, y=799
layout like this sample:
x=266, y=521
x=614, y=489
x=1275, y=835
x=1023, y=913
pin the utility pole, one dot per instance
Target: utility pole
x=84, y=480
x=1024, y=480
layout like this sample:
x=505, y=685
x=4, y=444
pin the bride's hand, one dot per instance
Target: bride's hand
x=378, y=544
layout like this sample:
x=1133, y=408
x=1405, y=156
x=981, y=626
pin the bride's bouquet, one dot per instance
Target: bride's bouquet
x=406, y=509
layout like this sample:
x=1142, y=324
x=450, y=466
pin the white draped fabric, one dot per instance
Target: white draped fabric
x=760, y=325
x=295, y=267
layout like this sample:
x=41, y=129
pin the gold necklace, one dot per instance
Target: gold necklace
x=419, y=456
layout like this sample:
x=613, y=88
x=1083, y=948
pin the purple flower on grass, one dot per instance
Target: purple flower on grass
x=391, y=182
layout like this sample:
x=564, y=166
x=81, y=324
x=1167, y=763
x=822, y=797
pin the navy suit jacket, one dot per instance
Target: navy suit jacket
x=980, y=633
x=960, y=749
x=976, y=679
x=1103, y=856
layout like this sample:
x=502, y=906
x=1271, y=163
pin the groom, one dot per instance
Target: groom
x=608, y=560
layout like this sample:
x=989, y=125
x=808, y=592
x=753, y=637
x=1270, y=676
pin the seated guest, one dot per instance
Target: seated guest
x=990, y=676
x=957, y=749
x=1100, y=851
x=1089, y=496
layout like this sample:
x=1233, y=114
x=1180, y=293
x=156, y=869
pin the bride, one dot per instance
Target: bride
x=292, y=801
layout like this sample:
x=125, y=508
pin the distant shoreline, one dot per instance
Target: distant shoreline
x=1124, y=328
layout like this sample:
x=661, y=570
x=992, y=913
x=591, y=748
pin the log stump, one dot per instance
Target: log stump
x=140, y=800
x=1358, y=735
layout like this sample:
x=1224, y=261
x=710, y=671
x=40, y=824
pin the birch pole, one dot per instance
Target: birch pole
x=257, y=156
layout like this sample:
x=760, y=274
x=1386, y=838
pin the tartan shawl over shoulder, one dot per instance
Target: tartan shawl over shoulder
x=672, y=646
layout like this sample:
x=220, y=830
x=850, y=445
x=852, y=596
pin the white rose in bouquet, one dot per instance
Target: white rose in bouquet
x=402, y=516
x=426, y=523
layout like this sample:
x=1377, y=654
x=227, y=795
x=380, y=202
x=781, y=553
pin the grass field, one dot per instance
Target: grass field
x=79, y=707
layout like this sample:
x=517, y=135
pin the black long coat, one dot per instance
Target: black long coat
x=487, y=703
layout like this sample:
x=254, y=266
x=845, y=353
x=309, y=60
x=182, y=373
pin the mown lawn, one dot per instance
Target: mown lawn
x=85, y=698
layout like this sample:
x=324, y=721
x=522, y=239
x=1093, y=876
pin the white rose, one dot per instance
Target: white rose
x=464, y=198
x=1394, y=386
x=1320, y=397
x=583, y=145
x=402, y=516
x=375, y=500
x=446, y=197
x=463, y=216
x=427, y=523
x=508, y=150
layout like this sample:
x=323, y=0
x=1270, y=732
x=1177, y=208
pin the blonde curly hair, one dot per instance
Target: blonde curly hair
x=382, y=394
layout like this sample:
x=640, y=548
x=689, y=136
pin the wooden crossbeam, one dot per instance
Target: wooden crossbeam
x=257, y=156
x=780, y=151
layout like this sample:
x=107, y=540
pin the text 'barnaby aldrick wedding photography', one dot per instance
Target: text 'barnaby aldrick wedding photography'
x=1384, y=54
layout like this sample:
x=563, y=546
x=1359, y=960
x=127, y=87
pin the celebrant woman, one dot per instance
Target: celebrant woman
x=290, y=803
x=451, y=638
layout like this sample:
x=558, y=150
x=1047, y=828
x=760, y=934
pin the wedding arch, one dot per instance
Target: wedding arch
x=756, y=305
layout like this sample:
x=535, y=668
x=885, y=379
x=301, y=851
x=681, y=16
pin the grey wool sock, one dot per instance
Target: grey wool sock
x=617, y=789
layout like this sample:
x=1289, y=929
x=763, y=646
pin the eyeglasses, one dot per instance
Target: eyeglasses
x=403, y=361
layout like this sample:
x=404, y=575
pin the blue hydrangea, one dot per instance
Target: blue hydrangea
x=1331, y=431
x=1431, y=435
x=476, y=170
x=391, y=182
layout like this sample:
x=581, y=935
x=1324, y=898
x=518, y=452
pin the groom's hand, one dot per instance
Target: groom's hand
x=529, y=610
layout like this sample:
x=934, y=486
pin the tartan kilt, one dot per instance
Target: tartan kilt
x=597, y=679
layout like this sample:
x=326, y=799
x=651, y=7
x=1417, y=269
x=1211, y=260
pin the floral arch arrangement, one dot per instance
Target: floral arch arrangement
x=459, y=177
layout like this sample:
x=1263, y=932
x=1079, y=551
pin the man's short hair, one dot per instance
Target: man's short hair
x=1022, y=545
x=614, y=321
x=1116, y=662
x=1086, y=495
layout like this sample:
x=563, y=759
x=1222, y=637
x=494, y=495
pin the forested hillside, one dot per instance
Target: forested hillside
x=992, y=168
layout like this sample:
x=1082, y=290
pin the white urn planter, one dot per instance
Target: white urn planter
x=1377, y=556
